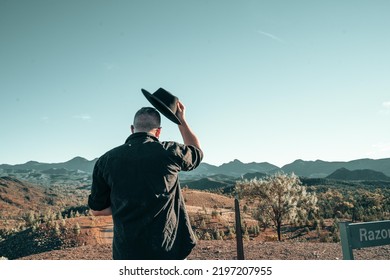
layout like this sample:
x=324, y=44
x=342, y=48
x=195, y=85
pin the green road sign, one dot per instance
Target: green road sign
x=361, y=235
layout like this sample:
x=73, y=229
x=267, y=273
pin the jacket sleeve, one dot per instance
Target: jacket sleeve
x=99, y=198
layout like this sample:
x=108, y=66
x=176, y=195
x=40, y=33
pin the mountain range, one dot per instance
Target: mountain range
x=77, y=163
x=233, y=169
x=320, y=169
x=309, y=169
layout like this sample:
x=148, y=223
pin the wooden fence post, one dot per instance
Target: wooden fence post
x=240, y=246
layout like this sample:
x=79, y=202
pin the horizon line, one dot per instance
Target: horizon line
x=258, y=162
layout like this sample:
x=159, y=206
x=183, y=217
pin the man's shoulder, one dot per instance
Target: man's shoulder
x=113, y=151
x=188, y=157
x=181, y=149
x=173, y=144
x=167, y=144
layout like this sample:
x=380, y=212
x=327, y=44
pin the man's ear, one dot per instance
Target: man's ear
x=132, y=128
x=158, y=131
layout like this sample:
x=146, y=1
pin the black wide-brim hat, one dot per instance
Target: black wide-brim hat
x=164, y=102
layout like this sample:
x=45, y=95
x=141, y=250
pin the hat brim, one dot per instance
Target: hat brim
x=161, y=107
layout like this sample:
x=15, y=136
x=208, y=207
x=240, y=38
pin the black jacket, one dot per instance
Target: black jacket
x=139, y=180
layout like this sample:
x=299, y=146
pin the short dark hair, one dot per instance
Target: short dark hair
x=146, y=119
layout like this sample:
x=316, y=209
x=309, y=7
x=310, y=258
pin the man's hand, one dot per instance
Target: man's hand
x=180, y=112
x=104, y=212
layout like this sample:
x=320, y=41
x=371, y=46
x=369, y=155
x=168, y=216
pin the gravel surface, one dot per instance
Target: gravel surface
x=226, y=250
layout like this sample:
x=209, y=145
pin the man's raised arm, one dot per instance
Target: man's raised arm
x=189, y=137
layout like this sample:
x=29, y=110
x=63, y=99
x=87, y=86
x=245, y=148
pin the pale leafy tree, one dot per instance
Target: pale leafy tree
x=76, y=229
x=281, y=198
x=29, y=218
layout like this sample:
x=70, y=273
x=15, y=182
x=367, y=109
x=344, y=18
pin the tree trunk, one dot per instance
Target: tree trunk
x=278, y=228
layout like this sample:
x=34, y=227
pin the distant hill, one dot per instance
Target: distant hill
x=360, y=174
x=220, y=181
x=255, y=175
x=238, y=168
x=77, y=163
x=205, y=183
x=233, y=168
x=16, y=195
x=321, y=169
x=56, y=171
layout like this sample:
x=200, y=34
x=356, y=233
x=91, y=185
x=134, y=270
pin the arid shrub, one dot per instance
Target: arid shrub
x=281, y=198
x=76, y=228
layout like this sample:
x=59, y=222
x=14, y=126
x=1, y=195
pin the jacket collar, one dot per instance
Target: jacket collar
x=141, y=137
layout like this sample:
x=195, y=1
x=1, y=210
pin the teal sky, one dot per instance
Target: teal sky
x=262, y=81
